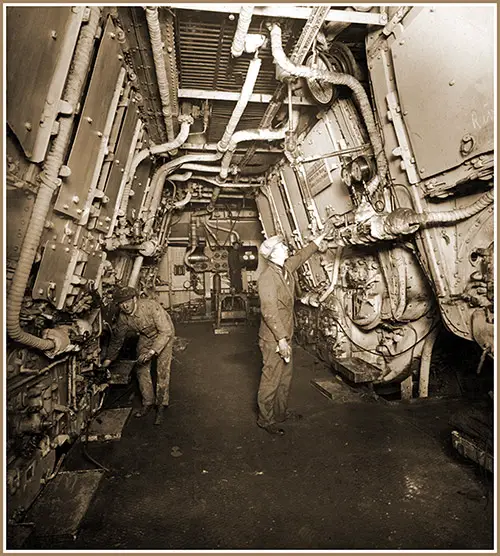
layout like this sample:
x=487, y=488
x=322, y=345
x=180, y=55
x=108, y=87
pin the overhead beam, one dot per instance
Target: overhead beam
x=292, y=12
x=234, y=96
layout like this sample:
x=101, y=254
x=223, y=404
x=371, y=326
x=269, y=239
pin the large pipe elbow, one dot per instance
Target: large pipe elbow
x=248, y=135
x=335, y=78
x=244, y=20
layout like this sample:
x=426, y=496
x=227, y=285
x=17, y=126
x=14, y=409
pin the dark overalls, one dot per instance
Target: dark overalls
x=156, y=331
x=277, y=295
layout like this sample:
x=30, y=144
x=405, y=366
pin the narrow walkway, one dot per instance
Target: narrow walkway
x=355, y=473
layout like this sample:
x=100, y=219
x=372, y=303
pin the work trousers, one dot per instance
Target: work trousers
x=164, y=361
x=274, y=387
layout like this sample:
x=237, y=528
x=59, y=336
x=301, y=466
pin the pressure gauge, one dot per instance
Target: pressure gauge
x=321, y=91
x=346, y=176
x=361, y=169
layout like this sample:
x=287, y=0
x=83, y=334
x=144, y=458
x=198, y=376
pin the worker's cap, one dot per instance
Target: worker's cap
x=269, y=244
x=124, y=293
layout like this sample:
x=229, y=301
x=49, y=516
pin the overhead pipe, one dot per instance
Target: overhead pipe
x=249, y=135
x=246, y=92
x=244, y=20
x=49, y=182
x=164, y=148
x=335, y=78
x=161, y=72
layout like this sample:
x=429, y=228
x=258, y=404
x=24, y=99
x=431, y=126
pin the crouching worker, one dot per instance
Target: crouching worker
x=156, y=337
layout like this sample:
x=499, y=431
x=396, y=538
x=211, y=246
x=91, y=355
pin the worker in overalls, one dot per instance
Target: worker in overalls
x=276, y=286
x=156, y=333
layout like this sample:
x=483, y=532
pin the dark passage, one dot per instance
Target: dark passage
x=357, y=472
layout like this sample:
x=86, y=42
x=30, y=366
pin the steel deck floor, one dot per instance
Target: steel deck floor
x=356, y=473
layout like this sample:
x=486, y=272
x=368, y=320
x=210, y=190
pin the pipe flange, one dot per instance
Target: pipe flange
x=186, y=118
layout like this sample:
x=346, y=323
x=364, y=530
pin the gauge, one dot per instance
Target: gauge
x=361, y=169
x=321, y=91
x=346, y=176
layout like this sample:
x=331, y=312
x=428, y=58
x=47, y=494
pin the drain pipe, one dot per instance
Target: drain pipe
x=335, y=78
x=161, y=72
x=244, y=20
x=249, y=135
x=50, y=181
x=246, y=92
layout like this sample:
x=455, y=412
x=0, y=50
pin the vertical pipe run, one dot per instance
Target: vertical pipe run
x=244, y=20
x=161, y=72
x=49, y=182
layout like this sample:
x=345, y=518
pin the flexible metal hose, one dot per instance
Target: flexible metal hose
x=50, y=180
x=161, y=72
x=458, y=214
x=336, y=79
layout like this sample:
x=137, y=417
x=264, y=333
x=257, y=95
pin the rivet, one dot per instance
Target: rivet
x=28, y=126
x=452, y=82
x=76, y=199
x=65, y=206
x=89, y=119
x=40, y=291
x=53, y=34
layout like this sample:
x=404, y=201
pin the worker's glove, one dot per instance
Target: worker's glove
x=145, y=356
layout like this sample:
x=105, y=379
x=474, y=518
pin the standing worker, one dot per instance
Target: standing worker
x=156, y=337
x=277, y=295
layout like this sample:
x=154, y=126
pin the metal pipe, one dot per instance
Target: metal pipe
x=452, y=216
x=136, y=269
x=161, y=72
x=335, y=78
x=227, y=185
x=246, y=91
x=49, y=182
x=164, y=148
x=124, y=192
x=244, y=20
x=248, y=135
x=425, y=364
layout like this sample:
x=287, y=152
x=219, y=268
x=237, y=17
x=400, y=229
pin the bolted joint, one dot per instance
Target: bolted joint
x=186, y=118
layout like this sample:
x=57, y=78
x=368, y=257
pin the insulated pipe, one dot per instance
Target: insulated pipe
x=136, y=269
x=164, y=148
x=335, y=78
x=49, y=182
x=244, y=20
x=248, y=135
x=161, y=72
x=451, y=216
x=246, y=92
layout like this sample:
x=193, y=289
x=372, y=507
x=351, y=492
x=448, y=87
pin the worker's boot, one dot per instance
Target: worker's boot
x=160, y=412
x=145, y=409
